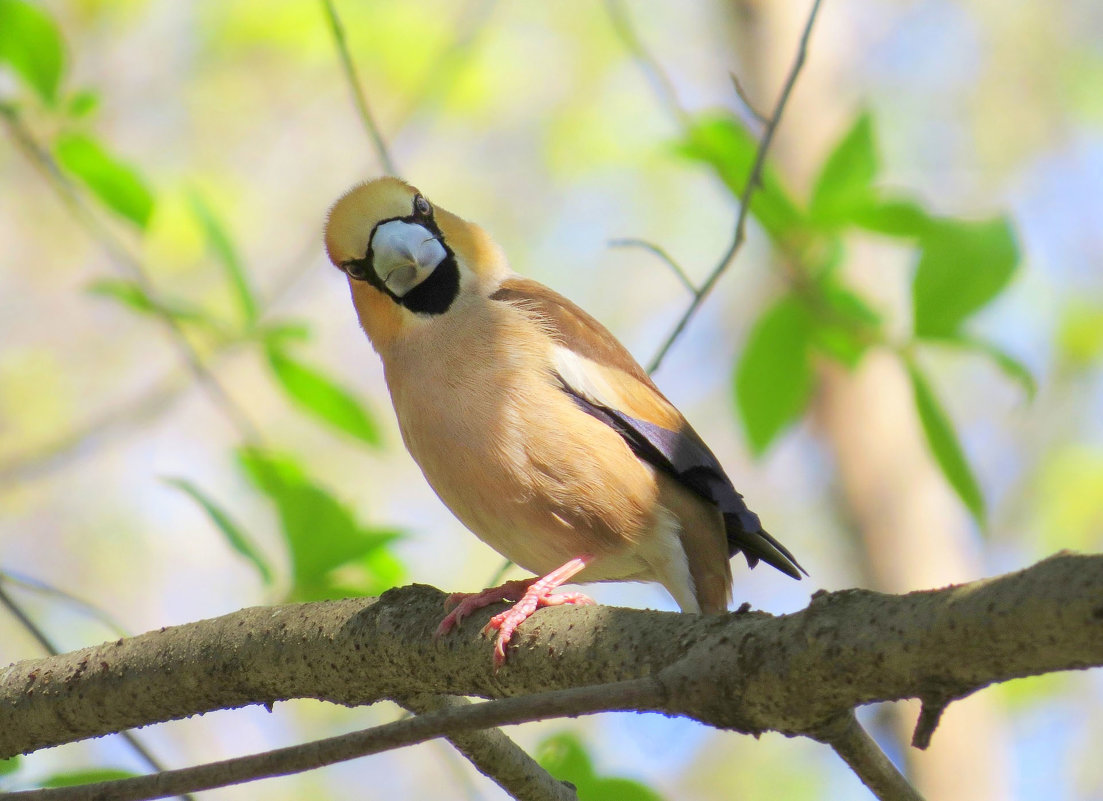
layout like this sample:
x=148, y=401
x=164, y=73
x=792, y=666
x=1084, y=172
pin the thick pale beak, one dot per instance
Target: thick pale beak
x=404, y=255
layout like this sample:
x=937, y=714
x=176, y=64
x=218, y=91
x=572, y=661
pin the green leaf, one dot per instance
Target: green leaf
x=135, y=298
x=127, y=293
x=91, y=776
x=322, y=535
x=82, y=104
x=945, y=445
x=278, y=333
x=223, y=248
x=9, y=766
x=846, y=305
x=773, y=380
x=564, y=756
x=841, y=344
x=118, y=185
x=317, y=394
x=963, y=266
x=846, y=181
x=845, y=324
x=236, y=538
x=31, y=44
x=896, y=217
x=1030, y=692
x=721, y=141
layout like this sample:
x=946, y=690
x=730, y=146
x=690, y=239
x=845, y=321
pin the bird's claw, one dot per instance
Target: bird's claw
x=505, y=623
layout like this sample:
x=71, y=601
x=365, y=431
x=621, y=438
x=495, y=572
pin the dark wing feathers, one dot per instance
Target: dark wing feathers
x=681, y=454
x=684, y=456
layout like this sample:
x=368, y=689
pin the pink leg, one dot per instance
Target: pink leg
x=530, y=595
x=463, y=604
x=537, y=595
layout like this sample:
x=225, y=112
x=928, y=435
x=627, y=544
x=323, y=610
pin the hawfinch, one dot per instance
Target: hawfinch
x=532, y=423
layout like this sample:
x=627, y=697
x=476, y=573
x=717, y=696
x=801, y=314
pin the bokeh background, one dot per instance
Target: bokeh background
x=537, y=121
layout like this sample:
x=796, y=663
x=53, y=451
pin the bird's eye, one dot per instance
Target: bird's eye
x=356, y=268
x=422, y=207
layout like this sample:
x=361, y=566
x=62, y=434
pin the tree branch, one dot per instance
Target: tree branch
x=40, y=636
x=853, y=743
x=633, y=694
x=496, y=756
x=747, y=672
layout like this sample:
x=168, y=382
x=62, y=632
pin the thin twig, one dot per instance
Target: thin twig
x=745, y=199
x=656, y=76
x=495, y=755
x=747, y=104
x=867, y=760
x=636, y=694
x=358, y=96
x=45, y=588
x=48, y=646
x=666, y=258
x=929, y=716
x=126, y=263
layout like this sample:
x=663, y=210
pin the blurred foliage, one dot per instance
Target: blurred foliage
x=1026, y=692
x=332, y=555
x=72, y=778
x=321, y=397
x=235, y=536
x=723, y=141
x=774, y=379
x=1070, y=489
x=944, y=443
x=10, y=770
x=1080, y=335
x=222, y=247
x=31, y=45
x=116, y=184
x=566, y=758
x=962, y=267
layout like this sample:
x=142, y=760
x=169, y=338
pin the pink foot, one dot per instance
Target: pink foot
x=463, y=604
x=508, y=621
x=529, y=594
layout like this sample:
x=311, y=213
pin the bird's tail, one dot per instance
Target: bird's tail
x=757, y=545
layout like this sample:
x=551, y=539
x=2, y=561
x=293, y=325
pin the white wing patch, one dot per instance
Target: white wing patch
x=585, y=377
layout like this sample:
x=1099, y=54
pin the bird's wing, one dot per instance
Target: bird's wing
x=605, y=381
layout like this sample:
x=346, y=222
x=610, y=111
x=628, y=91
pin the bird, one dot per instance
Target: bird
x=532, y=423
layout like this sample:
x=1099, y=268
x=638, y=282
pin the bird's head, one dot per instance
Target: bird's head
x=406, y=259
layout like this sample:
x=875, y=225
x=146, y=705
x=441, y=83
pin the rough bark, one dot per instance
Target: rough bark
x=748, y=672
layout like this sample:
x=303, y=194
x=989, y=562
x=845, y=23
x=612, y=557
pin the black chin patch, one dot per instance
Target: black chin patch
x=435, y=294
